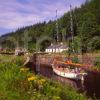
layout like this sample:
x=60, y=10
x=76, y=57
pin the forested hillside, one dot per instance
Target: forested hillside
x=86, y=29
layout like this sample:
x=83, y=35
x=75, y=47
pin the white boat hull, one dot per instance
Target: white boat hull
x=70, y=75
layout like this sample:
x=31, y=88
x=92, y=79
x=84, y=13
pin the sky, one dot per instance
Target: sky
x=15, y=14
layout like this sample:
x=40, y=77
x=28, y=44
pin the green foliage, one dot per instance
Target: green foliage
x=18, y=83
x=97, y=62
x=75, y=59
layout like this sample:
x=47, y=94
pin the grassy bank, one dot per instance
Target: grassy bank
x=17, y=83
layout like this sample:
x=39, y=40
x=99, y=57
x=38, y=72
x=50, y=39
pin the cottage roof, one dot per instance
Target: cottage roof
x=58, y=46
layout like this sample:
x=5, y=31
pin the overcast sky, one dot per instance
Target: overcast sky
x=18, y=13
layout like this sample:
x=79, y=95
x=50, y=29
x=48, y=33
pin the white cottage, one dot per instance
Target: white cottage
x=56, y=48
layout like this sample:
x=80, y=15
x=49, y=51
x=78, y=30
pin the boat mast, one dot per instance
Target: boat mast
x=72, y=34
x=71, y=27
x=57, y=26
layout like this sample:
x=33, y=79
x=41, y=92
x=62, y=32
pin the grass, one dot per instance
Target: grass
x=97, y=51
x=18, y=83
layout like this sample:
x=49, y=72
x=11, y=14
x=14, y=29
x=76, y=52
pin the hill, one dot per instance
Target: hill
x=86, y=30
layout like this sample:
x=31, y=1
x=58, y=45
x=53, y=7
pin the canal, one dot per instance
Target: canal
x=91, y=83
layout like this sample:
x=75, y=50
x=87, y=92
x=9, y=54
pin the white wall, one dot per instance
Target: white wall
x=55, y=50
